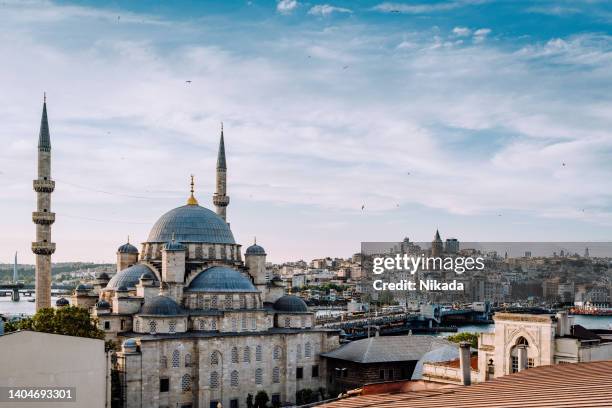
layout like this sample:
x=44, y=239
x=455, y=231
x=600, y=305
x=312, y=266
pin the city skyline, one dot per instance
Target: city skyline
x=361, y=121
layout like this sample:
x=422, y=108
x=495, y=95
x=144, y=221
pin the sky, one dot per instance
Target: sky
x=345, y=121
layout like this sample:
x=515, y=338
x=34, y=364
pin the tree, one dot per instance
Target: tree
x=305, y=396
x=249, y=401
x=261, y=399
x=471, y=338
x=68, y=320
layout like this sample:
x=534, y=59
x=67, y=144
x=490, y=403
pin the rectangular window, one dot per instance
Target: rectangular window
x=164, y=384
x=315, y=371
x=514, y=364
x=276, y=400
x=122, y=324
x=107, y=325
x=213, y=404
x=234, y=403
x=530, y=363
x=381, y=374
x=299, y=373
x=391, y=373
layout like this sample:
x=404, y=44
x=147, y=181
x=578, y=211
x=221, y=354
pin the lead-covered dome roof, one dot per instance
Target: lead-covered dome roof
x=129, y=277
x=289, y=303
x=221, y=279
x=127, y=248
x=161, y=306
x=191, y=223
x=255, y=250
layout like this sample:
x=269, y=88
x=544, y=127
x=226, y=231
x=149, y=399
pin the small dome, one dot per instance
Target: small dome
x=191, y=223
x=255, y=250
x=102, y=276
x=103, y=304
x=82, y=288
x=221, y=279
x=128, y=277
x=147, y=276
x=174, y=246
x=127, y=249
x=62, y=302
x=161, y=306
x=129, y=345
x=289, y=303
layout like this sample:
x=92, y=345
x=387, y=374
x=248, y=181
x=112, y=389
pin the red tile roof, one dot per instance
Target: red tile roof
x=558, y=386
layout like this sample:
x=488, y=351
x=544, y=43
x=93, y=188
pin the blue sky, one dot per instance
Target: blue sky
x=452, y=114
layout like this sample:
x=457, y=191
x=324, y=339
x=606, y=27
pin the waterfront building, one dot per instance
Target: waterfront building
x=521, y=341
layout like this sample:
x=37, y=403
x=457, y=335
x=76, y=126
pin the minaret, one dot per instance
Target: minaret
x=43, y=217
x=15, y=269
x=220, y=199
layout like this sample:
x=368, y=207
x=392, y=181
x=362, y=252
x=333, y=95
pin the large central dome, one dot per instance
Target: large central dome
x=191, y=223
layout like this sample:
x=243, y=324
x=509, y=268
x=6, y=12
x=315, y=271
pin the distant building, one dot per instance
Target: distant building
x=451, y=246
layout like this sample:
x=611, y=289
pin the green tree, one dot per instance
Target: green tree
x=471, y=338
x=261, y=399
x=249, y=401
x=68, y=320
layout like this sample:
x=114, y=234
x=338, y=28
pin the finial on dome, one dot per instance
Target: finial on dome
x=255, y=241
x=173, y=237
x=45, y=100
x=192, y=200
x=128, y=239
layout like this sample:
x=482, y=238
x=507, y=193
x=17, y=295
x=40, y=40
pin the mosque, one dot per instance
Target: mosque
x=198, y=324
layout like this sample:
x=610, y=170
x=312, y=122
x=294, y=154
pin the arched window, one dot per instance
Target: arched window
x=234, y=324
x=206, y=303
x=214, y=379
x=163, y=362
x=213, y=325
x=258, y=353
x=521, y=341
x=277, y=353
x=234, y=378
x=172, y=326
x=187, y=360
x=214, y=302
x=215, y=358
x=211, y=252
x=303, y=322
x=200, y=302
x=202, y=324
x=243, y=304
x=308, y=350
x=287, y=322
x=298, y=351
x=259, y=376
x=228, y=302
x=253, y=323
x=276, y=375
x=234, y=354
x=198, y=251
x=175, y=358
x=152, y=326
x=186, y=383
x=246, y=357
x=244, y=323
x=137, y=326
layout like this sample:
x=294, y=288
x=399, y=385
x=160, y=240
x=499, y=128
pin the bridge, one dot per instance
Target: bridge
x=15, y=290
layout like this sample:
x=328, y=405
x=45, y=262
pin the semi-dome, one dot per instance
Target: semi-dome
x=62, y=302
x=289, y=303
x=161, y=306
x=128, y=277
x=255, y=250
x=103, y=304
x=191, y=223
x=127, y=248
x=221, y=279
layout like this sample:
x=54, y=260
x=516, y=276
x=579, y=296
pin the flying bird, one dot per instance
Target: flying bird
x=563, y=164
x=345, y=67
x=362, y=207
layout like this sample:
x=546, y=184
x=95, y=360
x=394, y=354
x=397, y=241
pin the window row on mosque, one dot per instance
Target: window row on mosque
x=233, y=324
x=226, y=252
x=199, y=301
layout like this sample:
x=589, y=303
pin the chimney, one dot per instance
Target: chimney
x=563, y=324
x=465, y=356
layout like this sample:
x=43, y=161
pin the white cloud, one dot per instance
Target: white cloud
x=462, y=31
x=286, y=6
x=422, y=8
x=325, y=10
x=481, y=34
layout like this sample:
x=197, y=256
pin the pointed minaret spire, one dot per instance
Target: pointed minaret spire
x=43, y=217
x=220, y=198
x=44, y=140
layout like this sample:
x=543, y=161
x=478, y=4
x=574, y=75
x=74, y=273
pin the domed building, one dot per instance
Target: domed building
x=199, y=324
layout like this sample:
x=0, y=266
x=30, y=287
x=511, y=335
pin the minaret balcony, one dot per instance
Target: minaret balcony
x=43, y=248
x=43, y=218
x=221, y=200
x=44, y=186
